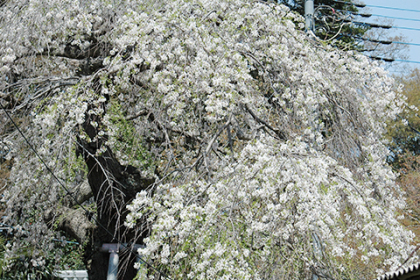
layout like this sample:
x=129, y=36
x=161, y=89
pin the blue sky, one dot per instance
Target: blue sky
x=412, y=35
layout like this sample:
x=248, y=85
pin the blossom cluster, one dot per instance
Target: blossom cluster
x=272, y=200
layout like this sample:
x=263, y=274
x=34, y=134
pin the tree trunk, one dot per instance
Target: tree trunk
x=114, y=186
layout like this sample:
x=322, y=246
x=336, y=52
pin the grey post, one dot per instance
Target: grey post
x=113, y=266
x=309, y=15
x=113, y=249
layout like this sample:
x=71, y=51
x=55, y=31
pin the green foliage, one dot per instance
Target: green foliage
x=126, y=142
x=23, y=266
x=72, y=258
x=404, y=132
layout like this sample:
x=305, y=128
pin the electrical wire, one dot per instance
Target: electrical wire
x=407, y=28
x=336, y=18
x=384, y=42
x=392, y=8
x=369, y=24
x=385, y=59
x=405, y=43
x=365, y=15
x=384, y=26
x=68, y=191
x=374, y=25
x=351, y=3
x=375, y=6
x=375, y=15
x=408, y=61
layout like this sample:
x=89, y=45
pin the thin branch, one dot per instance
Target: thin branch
x=279, y=133
x=143, y=112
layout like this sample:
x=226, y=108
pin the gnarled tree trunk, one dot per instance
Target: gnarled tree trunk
x=114, y=186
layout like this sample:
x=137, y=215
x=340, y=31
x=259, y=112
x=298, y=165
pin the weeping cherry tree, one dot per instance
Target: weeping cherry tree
x=216, y=133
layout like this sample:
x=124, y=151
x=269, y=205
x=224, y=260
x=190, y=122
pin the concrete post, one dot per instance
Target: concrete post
x=309, y=15
x=113, y=249
x=113, y=266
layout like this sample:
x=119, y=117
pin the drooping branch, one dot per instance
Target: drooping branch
x=113, y=185
x=279, y=133
x=32, y=90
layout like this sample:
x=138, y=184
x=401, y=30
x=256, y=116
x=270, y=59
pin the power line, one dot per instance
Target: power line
x=350, y=3
x=404, y=43
x=407, y=28
x=392, y=8
x=375, y=25
x=383, y=42
x=375, y=6
x=367, y=15
x=408, y=61
x=379, y=25
x=70, y=194
x=410, y=19
x=382, y=26
x=386, y=59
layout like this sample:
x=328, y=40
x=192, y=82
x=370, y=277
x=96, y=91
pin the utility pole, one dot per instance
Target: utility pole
x=309, y=15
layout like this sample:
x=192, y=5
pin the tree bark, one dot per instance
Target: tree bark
x=114, y=186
